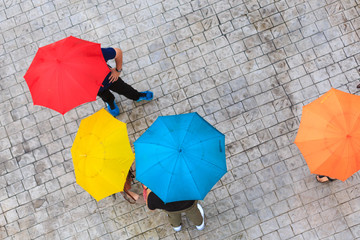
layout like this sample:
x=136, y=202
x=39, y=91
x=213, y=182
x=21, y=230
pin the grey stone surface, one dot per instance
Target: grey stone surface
x=246, y=66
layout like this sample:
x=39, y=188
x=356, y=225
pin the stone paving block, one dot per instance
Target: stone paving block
x=286, y=232
x=14, y=189
x=339, y=224
x=254, y=232
x=98, y=231
x=325, y=230
x=344, y=235
x=265, y=213
x=269, y=226
x=227, y=217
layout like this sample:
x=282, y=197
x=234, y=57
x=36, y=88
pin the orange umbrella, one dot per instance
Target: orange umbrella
x=329, y=134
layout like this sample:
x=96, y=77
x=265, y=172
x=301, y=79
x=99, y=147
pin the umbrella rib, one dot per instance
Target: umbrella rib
x=80, y=86
x=321, y=149
x=348, y=162
x=174, y=167
x=112, y=133
x=149, y=168
x=192, y=177
x=331, y=155
x=157, y=144
x=58, y=83
x=343, y=112
x=203, y=160
x=76, y=80
x=202, y=141
x=167, y=128
x=350, y=145
x=187, y=130
x=357, y=162
x=318, y=139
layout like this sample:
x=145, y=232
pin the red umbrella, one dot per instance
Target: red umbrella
x=66, y=74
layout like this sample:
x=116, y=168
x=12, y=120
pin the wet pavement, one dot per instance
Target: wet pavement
x=247, y=67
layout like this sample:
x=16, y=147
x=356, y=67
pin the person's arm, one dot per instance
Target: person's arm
x=148, y=191
x=115, y=72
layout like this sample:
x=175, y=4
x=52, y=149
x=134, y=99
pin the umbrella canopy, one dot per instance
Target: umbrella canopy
x=180, y=157
x=66, y=73
x=329, y=134
x=102, y=155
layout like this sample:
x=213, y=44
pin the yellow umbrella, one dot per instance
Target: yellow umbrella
x=102, y=155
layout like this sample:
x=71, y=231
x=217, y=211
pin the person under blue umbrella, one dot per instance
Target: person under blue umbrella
x=191, y=208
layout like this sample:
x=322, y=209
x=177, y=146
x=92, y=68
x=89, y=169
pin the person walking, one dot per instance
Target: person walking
x=191, y=208
x=113, y=82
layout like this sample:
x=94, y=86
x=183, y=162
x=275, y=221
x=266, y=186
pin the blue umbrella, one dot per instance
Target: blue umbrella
x=180, y=157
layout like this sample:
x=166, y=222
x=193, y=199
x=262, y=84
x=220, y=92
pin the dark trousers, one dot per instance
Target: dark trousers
x=121, y=88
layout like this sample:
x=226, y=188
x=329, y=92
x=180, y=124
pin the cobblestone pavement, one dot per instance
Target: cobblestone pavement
x=246, y=66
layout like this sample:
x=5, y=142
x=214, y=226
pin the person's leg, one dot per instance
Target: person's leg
x=125, y=89
x=109, y=99
x=194, y=215
x=131, y=197
x=128, y=91
x=175, y=219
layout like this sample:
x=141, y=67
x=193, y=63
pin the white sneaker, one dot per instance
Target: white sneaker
x=177, y=229
x=201, y=227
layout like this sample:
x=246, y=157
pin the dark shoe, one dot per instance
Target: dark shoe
x=324, y=179
x=146, y=96
x=115, y=112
